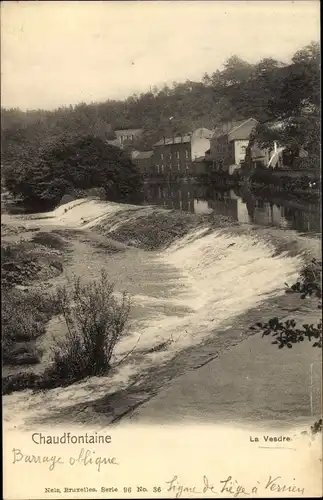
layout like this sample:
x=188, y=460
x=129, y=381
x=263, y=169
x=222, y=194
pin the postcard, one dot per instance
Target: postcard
x=161, y=249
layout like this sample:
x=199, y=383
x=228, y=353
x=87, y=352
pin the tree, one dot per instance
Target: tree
x=288, y=333
x=309, y=284
x=265, y=90
x=69, y=163
x=291, y=98
x=236, y=70
x=311, y=52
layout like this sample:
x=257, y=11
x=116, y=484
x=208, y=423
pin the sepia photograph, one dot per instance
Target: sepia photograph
x=161, y=249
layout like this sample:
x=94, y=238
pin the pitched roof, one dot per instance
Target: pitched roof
x=143, y=155
x=124, y=130
x=243, y=130
x=173, y=140
x=220, y=129
x=115, y=142
x=200, y=132
x=200, y=159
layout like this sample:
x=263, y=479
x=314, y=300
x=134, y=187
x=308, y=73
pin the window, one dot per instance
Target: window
x=161, y=156
x=243, y=149
x=186, y=153
x=177, y=155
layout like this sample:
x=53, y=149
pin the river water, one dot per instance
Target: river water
x=243, y=205
x=191, y=300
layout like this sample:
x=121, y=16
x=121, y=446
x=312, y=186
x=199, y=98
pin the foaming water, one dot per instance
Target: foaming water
x=182, y=296
x=216, y=277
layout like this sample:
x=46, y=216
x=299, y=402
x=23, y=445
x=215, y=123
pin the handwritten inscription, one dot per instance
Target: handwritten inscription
x=230, y=487
x=85, y=457
x=206, y=486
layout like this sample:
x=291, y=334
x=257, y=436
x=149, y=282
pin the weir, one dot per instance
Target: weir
x=196, y=283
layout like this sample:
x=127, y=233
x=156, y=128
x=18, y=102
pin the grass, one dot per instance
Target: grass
x=24, y=262
x=8, y=229
x=24, y=319
x=51, y=240
x=95, y=319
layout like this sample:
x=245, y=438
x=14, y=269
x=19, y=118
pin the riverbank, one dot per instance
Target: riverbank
x=305, y=185
x=195, y=294
x=251, y=383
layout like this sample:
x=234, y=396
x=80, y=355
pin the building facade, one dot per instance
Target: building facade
x=228, y=148
x=144, y=162
x=128, y=136
x=175, y=156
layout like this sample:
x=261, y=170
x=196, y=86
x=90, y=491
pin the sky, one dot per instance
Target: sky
x=61, y=53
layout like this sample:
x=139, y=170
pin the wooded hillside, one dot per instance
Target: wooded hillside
x=266, y=90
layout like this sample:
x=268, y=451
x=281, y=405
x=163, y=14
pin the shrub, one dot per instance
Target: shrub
x=287, y=333
x=25, y=261
x=95, y=320
x=19, y=382
x=310, y=280
x=67, y=163
x=24, y=318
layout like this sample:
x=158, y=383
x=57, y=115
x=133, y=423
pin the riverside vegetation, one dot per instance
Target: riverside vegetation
x=289, y=332
x=95, y=320
x=45, y=160
x=47, y=154
x=94, y=316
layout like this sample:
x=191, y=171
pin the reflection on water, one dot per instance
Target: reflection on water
x=243, y=205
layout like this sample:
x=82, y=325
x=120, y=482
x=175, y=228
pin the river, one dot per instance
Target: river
x=243, y=205
x=192, y=299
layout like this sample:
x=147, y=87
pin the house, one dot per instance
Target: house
x=128, y=136
x=262, y=156
x=199, y=166
x=144, y=161
x=115, y=142
x=176, y=155
x=229, y=146
x=277, y=156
